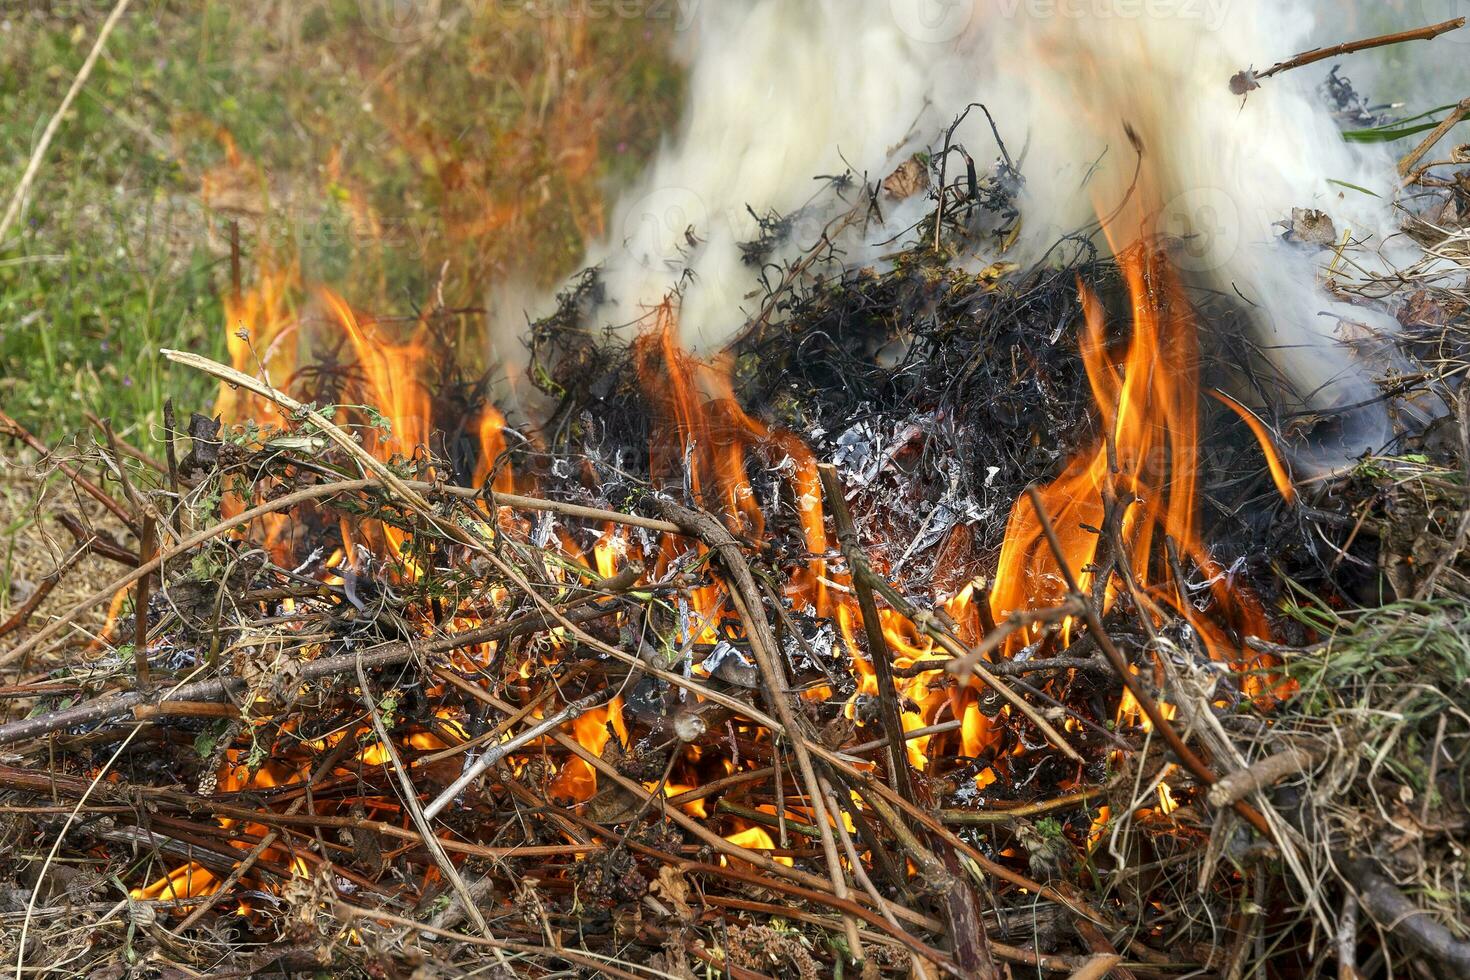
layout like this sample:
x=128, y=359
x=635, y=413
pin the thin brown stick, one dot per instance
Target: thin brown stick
x=722, y=784
x=896, y=749
x=1262, y=775
x=967, y=934
x=1097, y=966
x=920, y=968
x=185, y=709
x=38, y=595
x=1457, y=116
x=929, y=625
x=517, y=501
x=171, y=454
x=975, y=818
x=139, y=508
x=12, y=428
x=355, y=912
x=410, y=798
x=283, y=503
x=1101, y=945
x=223, y=688
x=146, y=547
x=127, y=447
x=767, y=819
x=746, y=598
x=96, y=541
x=917, y=814
x=500, y=750
x=878, y=743
x=1246, y=80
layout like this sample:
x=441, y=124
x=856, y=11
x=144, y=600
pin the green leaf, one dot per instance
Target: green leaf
x=1353, y=187
x=1397, y=130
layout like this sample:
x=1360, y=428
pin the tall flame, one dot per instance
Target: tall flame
x=1145, y=460
x=1119, y=501
x=260, y=332
x=391, y=381
x=702, y=435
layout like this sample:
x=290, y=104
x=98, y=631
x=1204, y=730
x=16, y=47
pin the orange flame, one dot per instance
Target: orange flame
x=757, y=839
x=1146, y=391
x=702, y=435
x=1146, y=461
x=391, y=382
x=260, y=331
x=1279, y=473
x=491, y=432
x=577, y=780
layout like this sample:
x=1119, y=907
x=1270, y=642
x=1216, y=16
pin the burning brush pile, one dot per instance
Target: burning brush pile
x=949, y=623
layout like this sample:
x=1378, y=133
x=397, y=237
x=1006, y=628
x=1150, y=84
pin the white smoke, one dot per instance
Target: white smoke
x=782, y=91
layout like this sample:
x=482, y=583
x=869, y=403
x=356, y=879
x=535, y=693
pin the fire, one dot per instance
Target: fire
x=491, y=432
x=261, y=334
x=757, y=839
x=609, y=548
x=703, y=437
x=1280, y=475
x=1167, y=803
x=1145, y=462
x=1114, y=505
x=697, y=415
x=262, y=338
x=236, y=773
x=391, y=381
x=577, y=781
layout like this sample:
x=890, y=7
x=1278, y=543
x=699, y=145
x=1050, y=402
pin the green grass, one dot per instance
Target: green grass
x=488, y=142
x=86, y=292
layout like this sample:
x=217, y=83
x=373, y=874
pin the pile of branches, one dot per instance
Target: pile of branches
x=375, y=766
x=363, y=766
x=448, y=729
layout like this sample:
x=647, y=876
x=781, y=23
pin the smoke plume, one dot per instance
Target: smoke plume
x=783, y=92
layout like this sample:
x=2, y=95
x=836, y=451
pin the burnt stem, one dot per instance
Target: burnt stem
x=862, y=574
x=140, y=605
x=171, y=454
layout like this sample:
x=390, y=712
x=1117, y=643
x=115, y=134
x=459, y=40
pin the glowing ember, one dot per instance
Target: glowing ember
x=756, y=839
